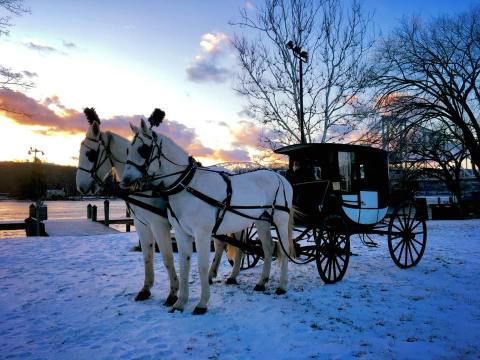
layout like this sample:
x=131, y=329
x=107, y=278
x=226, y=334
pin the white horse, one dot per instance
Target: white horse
x=265, y=198
x=99, y=153
x=95, y=165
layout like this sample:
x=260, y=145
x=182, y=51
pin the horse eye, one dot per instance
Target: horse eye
x=144, y=151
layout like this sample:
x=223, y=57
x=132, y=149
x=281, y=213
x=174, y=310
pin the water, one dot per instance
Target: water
x=13, y=210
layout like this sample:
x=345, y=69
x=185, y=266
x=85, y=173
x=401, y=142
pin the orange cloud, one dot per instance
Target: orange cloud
x=246, y=134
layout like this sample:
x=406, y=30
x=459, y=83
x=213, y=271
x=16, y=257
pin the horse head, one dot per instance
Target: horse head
x=139, y=156
x=93, y=164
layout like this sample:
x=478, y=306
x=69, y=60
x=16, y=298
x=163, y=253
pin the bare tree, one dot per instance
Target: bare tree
x=334, y=76
x=431, y=71
x=9, y=78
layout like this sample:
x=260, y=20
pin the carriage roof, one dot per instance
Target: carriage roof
x=314, y=150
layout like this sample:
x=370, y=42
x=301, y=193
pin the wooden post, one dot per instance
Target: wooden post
x=106, y=212
x=89, y=211
x=94, y=213
x=127, y=214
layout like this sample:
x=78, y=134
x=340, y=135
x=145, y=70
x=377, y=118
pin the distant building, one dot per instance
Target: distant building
x=53, y=194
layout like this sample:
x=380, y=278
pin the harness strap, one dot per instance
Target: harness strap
x=140, y=204
x=233, y=209
x=182, y=181
x=225, y=204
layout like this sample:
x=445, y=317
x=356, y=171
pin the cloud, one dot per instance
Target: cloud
x=53, y=118
x=206, y=66
x=29, y=74
x=248, y=5
x=231, y=155
x=69, y=45
x=246, y=134
x=43, y=49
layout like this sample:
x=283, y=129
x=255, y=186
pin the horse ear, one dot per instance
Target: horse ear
x=134, y=128
x=144, y=126
x=95, y=128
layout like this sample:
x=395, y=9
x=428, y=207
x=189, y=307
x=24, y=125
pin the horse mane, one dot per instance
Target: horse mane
x=176, y=147
x=124, y=142
x=91, y=115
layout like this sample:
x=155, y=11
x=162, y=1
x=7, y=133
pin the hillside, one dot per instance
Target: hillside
x=15, y=175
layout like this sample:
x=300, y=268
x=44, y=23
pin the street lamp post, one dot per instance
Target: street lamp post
x=34, y=152
x=302, y=56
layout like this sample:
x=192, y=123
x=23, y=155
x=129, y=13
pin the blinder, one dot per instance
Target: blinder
x=144, y=151
x=92, y=155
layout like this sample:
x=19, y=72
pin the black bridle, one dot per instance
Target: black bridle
x=153, y=152
x=97, y=156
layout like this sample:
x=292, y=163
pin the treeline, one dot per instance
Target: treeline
x=26, y=179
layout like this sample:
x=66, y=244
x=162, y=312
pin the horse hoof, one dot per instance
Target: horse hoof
x=280, y=291
x=171, y=299
x=172, y=310
x=231, y=281
x=199, y=310
x=143, y=295
x=259, y=288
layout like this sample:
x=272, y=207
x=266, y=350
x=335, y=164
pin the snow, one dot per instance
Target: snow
x=72, y=297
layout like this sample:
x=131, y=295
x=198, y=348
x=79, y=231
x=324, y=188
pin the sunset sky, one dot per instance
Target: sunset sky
x=126, y=58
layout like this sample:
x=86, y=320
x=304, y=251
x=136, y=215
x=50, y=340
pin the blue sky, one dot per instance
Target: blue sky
x=125, y=58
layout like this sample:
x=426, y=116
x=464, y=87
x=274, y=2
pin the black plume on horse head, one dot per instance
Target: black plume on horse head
x=156, y=118
x=91, y=115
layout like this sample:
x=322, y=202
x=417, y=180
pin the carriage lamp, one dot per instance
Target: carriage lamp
x=301, y=55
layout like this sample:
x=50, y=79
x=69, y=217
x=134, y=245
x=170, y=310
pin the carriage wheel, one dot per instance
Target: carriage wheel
x=407, y=236
x=333, y=249
x=249, y=260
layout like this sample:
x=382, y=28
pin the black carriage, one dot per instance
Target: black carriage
x=341, y=190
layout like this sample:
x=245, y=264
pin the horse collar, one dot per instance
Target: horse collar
x=182, y=182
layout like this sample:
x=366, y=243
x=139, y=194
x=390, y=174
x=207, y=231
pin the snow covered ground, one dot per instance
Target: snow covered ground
x=72, y=298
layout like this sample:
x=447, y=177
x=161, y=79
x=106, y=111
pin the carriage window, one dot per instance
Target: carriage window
x=345, y=162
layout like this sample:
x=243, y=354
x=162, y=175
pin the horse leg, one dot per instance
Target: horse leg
x=219, y=247
x=164, y=242
x=263, y=230
x=283, y=230
x=237, y=261
x=202, y=244
x=146, y=242
x=185, y=248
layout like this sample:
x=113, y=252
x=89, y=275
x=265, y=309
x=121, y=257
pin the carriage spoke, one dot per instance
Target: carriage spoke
x=416, y=251
x=418, y=242
x=338, y=265
x=401, y=249
x=399, y=243
x=410, y=252
x=334, y=267
x=330, y=266
x=418, y=223
x=396, y=227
